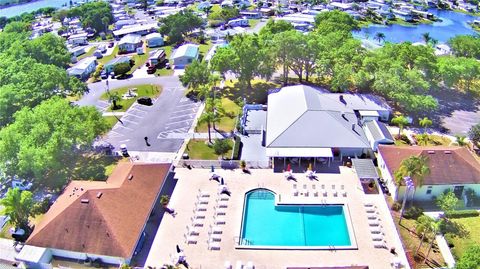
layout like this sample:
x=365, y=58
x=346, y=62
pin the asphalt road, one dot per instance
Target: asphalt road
x=172, y=112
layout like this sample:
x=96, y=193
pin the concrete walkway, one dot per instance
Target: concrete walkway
x=118, y=114
x=445, y=251
x=7, y=251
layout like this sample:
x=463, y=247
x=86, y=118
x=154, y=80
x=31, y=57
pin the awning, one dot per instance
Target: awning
x=365, y=168
x=368, y=113
x=299, y=152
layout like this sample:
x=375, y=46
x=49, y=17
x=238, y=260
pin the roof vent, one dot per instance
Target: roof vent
x=431, y=152
x=84, y=201
x=447, y=152
x=130, y=177
x=99, y=194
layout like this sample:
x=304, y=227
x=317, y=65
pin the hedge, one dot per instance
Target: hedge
x=462, y=214
x=236, y=148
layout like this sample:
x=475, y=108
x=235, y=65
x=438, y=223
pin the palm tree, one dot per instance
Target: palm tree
x=426, y=38
x=212, y=114
x=423, y=225
x=460, y=140
x=435, y=227
x=18, y=207
x=425, y=123
x=380, y=37
x=400, y=121
x=422, y=139
x=415, y=167
x=105, y=21
x=114, y=98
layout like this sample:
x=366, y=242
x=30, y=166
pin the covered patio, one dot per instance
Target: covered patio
x=300, y=159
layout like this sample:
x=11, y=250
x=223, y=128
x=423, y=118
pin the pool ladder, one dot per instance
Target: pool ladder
x=243, y=241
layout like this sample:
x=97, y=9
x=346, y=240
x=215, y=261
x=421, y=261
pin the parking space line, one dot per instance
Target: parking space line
x=129, y=121
x=131, y=114
x=177, y=122
x=190, y=116
x=121, y=126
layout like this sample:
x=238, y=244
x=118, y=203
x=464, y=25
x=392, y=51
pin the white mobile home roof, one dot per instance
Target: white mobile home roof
x=187, y=50
x=134, y=29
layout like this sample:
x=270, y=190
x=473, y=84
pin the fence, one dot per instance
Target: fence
x=224, y=164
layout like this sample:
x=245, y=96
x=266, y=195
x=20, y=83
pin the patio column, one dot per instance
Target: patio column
x=284, y=163
x=299, y=161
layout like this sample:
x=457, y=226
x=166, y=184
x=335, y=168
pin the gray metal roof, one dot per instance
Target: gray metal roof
x=301, y=116
x=378, y=130
x=130, y=39
x=365, y=168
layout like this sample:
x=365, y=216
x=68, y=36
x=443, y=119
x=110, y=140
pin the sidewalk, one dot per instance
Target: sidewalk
x=445, y=251
x=118, y=114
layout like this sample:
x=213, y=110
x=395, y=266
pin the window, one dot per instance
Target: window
x=429, y=190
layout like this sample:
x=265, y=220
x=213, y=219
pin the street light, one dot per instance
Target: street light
x=409, y=185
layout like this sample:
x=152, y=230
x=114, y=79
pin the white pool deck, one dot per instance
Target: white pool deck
x=172, y=229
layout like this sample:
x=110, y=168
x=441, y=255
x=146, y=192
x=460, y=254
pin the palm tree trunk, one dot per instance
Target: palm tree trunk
x=431, y=244
x=209, y=135
x=421, y=242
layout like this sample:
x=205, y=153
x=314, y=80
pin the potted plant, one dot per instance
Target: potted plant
x=164, y=199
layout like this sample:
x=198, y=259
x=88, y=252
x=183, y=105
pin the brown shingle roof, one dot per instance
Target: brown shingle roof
x=448, y=165
x=109, y=225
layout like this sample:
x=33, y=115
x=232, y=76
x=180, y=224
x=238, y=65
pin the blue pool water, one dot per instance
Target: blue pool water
x=452, y=24
x=265, y=224
x=15, y=10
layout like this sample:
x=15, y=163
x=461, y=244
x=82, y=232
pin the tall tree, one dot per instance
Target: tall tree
x=41, y=140
x=401, y=122
x=465, y=46
x=447, y=201
x=333, y=21
x=197, y=74
x=380, y=37
x=285, y=44
x=274, y=27
x=426, y=38
x=415, y=167
x=93, y=14
x=474, y=134
x=425, y=123
x=18, y=207
x=178, y=25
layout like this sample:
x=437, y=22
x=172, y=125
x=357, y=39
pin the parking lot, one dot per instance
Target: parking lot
x=165, y=123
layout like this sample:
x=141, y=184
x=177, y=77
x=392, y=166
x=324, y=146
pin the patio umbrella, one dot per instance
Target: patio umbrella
x=213, y=169
x=289, y=167
x=178, y=249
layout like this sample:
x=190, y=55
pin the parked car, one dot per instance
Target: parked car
x=146, y=101
x=103, y=74
x=98, y=54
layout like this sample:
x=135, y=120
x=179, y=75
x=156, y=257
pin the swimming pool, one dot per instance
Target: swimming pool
x=298, y=226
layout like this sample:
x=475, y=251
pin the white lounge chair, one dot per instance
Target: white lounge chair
x=222, y=204
x=314, y=190
x=372, y=216
x=369, y=205
x=342, y=187
x=376, y=230
x=202, y=193
x=198, y=214
x=373, y=223
x=377, y=237
x=223, y=197
x=213, y=245
x=218, y=220
x=249, y=265
x=196, y=222
x=191, y=231
x=239, y=265
x=203, y=200
x=220, y=211
x=200, y=207
x=227, y=265
x=216, y=230
x=190, y=239
x=295, y=192
x=334, y=193
x=377, y=244
x=370, y=210
x=215, y=237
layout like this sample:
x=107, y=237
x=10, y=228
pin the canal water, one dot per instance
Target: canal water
x=12, y=11
x=452, y=24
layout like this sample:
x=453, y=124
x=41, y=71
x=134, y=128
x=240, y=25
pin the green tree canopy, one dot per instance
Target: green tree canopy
x=18, y=206
x=334, y=21
x=224, y=14
x=447, y=201
x=274, y=27
x=93, y=14
x=470, y=258
x=180, y=24
x=474, y=134
x=465, y=46
x=221, y=146
x=121, y=69
x=415, y=167
x=41, y=140
x=196, y=74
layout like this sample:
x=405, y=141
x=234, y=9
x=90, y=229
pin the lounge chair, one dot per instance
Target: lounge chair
x=249, y=265
x=342, y=187
x=203, y=200
x=222, y=204
x=376, y=230
x=196, y=222
x=314, y=190
x=373, y=223
x=227, y=265
x=213, y=245
x=377, y=244
x=335, y=193
x=220, y=211
x=215, y=237
x=372, y=216
x=369, y=205
x=377, y=237
x=216, y=230
x=370, y=210
x=324, y=193
x=191, y=231
x=218, y=220
x=239, y=265
x=295, y=192
x=344, y=193
x=190, y=239
x=198, y=214
x=203, y=193
x=223, y=197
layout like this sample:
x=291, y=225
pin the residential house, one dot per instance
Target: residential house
x=121, y=23
x=83, y=68
x=154, y=40
x=108, y=67
x=303, y=122
x=401, y=14
x=104, y=220
x=78, y=39
x=377, y=133
x=142, y=29
x=185, y=55
x=453, y=168
x=129, y=43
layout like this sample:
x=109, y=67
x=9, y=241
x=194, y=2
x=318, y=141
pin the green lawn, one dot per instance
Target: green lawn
x=148, y=90
x=107, y=58
x=87, y=53
x=163, y=71
x=111, y=121
x=227, y=123
x=139, y=60
x=473, y=227
x=198, y=149
x=204, y=48
x=253, y=22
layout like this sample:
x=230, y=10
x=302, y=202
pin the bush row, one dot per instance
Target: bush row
x=462, y=214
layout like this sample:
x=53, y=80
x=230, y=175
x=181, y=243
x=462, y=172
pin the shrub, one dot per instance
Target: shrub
x=236, y=148
x=396, y=206
x=413, y=212
x=221, y=146
x=462, y=214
